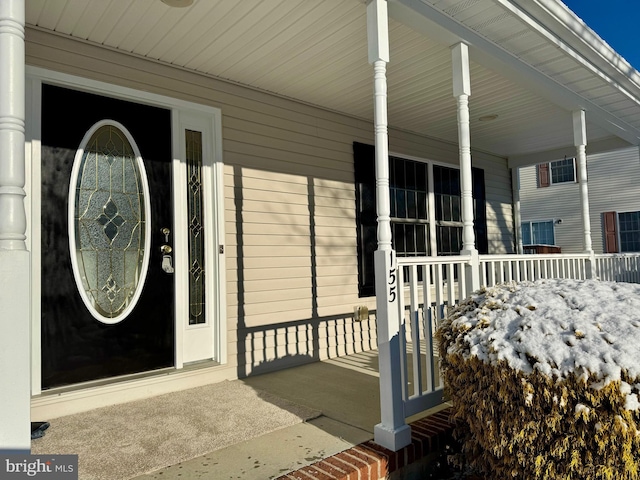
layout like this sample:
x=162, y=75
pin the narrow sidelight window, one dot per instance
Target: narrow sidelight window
x=196, y=228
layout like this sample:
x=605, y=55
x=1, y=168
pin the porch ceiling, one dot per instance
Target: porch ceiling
x=531, y=73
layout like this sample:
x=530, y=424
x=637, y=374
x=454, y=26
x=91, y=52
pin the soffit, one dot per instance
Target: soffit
x=316, y=52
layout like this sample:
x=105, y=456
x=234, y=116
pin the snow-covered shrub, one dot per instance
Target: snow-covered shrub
x=544, y=379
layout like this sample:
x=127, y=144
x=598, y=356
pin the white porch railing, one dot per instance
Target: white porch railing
x=496, y=269
x=618, y=267
x=436, y=282
x=440, y=283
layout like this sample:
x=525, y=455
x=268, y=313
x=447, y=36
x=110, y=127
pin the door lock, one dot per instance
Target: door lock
x=167, y=260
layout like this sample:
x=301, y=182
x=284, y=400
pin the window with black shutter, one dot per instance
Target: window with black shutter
x=409, y=199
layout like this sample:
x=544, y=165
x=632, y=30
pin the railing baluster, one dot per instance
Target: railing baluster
x=439, y=286
x=462, y=282
x=428, y=327
x=415, y=330
x=629, y=271
x=451, y=292
x=402, y=333
x=612, y=268
x=492, y=273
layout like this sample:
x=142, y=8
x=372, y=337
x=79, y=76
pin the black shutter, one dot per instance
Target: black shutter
x=480, y=210
x=365, y=178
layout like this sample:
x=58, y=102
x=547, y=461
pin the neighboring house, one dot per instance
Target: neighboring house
x=195, y=201
x=551, y=210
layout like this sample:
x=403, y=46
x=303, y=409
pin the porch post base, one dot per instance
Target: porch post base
x=472, y=271
x=15, y=354
x=392, y=438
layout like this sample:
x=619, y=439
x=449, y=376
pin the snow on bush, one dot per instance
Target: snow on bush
x=544, y=378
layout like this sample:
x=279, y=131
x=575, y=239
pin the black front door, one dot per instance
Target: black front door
x=76, y=345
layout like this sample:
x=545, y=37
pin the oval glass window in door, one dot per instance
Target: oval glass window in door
x=109, y=215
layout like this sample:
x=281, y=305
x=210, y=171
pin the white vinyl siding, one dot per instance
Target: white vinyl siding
x=617, y=187
x=614, y=185
x=290, y=249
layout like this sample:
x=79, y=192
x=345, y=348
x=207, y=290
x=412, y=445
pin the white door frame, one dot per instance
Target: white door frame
x=199, y=342
x=216, y=288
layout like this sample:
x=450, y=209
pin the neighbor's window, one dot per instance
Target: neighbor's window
x=538, y=233
x=629, y=223
x=563, y=171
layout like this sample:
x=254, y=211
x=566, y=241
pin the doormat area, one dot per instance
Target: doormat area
x=123, y=441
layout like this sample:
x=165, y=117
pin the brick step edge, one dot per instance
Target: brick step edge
x=370, y=461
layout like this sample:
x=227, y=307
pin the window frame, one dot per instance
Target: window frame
x=364, y=166
x=573, y=163
x=407, y=220
x=544, y=173
x=620, y=232
x=553, y=222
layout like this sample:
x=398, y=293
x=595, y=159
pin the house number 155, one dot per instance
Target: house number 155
x=392, y=282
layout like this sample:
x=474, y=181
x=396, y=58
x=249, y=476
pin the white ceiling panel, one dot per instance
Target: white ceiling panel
x=316, y=51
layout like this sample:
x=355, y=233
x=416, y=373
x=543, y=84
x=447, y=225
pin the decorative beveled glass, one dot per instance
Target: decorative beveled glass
x=195, y=210
x=109, y=216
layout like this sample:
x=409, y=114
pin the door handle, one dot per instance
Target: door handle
x=167, y=260
x=167, y=264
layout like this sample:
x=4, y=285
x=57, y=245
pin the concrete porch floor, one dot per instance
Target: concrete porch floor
x=344, y=389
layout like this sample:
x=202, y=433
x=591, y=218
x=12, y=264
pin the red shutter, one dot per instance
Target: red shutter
x=543, y=175
x=610, y=224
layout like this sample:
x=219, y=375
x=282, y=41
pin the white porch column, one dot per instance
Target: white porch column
x=580, y=141
x=391, y=432
x=517, y=219
x=461, y=91
x=15, y=395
